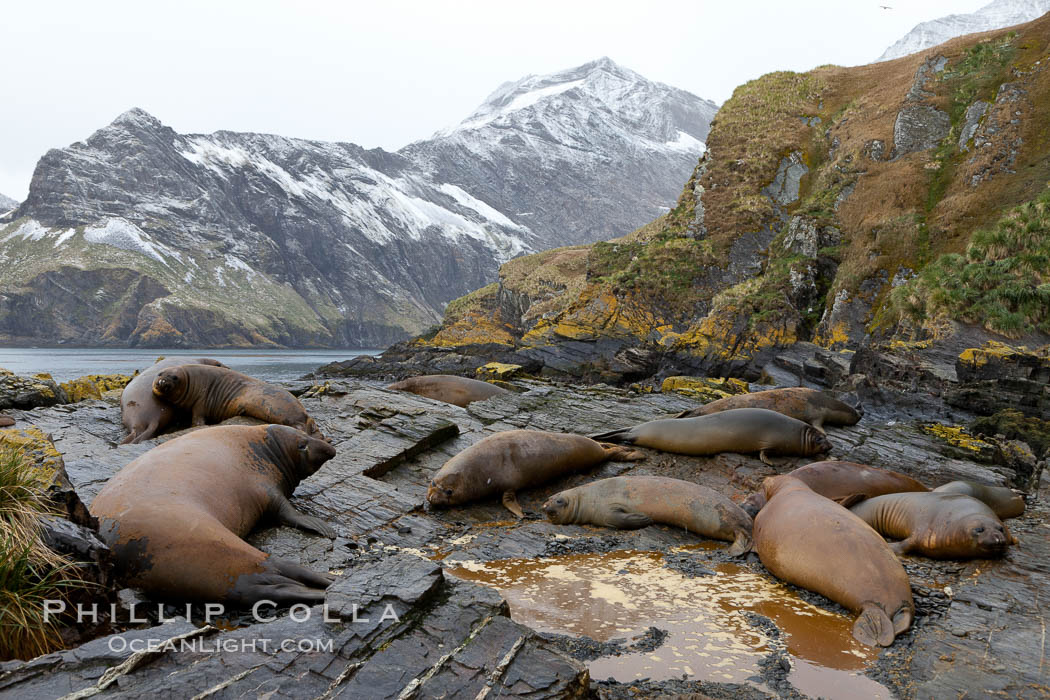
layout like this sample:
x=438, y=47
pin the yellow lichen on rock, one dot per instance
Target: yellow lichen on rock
x=37, y=449
x=957, y=436
x=836, y=336
x=705, y=388
x=94, y=386
x=978, y=357
x=497, y=370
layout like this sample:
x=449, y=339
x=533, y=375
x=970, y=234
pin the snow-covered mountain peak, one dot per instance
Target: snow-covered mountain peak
x=995, y=15
x=601, y=85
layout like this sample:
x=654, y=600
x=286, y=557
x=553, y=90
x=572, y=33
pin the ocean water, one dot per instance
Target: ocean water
x=68, y=363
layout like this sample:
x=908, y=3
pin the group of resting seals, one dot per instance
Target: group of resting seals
x=821, y=526
x=176, y=516
x=210, y=391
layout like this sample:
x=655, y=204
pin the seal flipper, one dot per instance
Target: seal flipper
x=819, y=425
x=623, y=519
x=851, y=500
x=741, y=545
x=873, y=627
x=619, y=436
x=619, y=453
x=307, y=577
x=510, y=501
x=904, y=546
x=764, y=456
x=902, y=620
x=288, y=515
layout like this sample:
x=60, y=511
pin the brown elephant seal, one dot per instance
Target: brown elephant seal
x=631, y=502
x=807, y=405
x=502, y=463
x=1004, y=502
x=846, y=483
x=175, y=517
x=449, y=388
x=143, y=414
x=937, y=525
x=217, y=393
x=813, y=542
x=736, y=430
x=6, y=421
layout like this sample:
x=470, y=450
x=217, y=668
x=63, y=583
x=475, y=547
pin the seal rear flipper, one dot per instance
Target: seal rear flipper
x=819, y=425
x=691, y=413
x=873, y=627
x=902, y=620
x=617, y=436
x=624, y=519
x=619, y=453
x=741, y=545
x=510, y=501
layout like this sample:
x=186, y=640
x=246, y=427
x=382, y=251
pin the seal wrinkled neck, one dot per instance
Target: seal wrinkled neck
x=275, y=450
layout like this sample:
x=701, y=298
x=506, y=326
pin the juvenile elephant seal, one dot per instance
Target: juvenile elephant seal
x=143, y=414
x=217, y=393
x=937, y=525
x=1006, y=503
x=631, y=502
x=175, y=517
x=449, y=388
x=505, y=462
x=6, y=421
x=736, y=430
x=808, y=405
x=813, y=542
x=846, y=483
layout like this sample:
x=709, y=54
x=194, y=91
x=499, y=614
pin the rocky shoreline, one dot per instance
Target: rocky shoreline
x=978, y=628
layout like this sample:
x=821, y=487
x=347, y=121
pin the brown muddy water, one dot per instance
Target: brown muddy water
x=619, y=595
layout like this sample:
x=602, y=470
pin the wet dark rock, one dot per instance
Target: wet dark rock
x=82, y=545
x=587, y=649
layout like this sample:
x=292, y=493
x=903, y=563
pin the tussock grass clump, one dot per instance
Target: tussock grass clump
x=30, y=572
x=1002, y=282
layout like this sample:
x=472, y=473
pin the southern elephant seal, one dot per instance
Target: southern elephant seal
x=630, y=502
x=736, y=430
x=502, y=463
x=175, y=517
x=1004, y=502
x=813, y=542
x=449, y=388
x=143, y=414
x=846, y=483
x=217, y=393
x=937, y=525
x=808, y=405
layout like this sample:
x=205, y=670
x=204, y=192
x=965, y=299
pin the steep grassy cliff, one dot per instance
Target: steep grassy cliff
x=891, y=199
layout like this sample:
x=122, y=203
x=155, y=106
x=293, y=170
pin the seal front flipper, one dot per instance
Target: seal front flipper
x=850, y=500
x=511, y=503
x=624, y=519
x=873, y=626
x=764, y=456
x=904, y=546
x=288, y=515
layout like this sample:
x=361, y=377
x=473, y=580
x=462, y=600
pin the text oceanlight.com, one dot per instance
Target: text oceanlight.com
x=208, y=646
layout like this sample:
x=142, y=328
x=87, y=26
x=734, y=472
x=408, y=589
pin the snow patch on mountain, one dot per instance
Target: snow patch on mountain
x=122, y=234
x=995, y=15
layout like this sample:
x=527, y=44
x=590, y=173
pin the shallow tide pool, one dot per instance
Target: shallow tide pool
x=619, y=595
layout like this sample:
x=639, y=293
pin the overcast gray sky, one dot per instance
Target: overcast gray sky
x=385, y=73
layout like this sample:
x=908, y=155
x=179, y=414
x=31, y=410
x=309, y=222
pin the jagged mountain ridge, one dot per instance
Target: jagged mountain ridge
x=144, y=236
x=313, y=243
x=995, y=15
x=6, y=203
x=578, y=156
x=903, y=200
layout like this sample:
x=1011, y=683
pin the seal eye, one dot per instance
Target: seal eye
x=560, y=502
x=448, y=492
x=979, y=529
x=302, y=444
